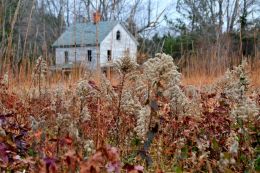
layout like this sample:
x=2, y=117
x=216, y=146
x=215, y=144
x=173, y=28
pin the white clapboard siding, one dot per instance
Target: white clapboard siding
x=118, y=49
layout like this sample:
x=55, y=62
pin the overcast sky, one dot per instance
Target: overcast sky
x=168, y=6
x=158, y=6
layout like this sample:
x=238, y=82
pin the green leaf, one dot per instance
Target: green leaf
x=242, y=158
x=177, y=169
x=240, y=121
x=136, y=141
x=195, y=149
x=257, y=163
x=32, y=153
x=184, y=152
x=215, y=145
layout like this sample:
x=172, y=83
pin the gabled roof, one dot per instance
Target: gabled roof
x=85, y=34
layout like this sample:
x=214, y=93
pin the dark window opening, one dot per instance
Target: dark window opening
x=118, y=35
x=109, y=57
x=89, y=55
x=66, y=57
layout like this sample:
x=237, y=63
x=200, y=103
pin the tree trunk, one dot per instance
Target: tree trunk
x=234, y=16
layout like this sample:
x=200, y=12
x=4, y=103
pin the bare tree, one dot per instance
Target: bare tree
x=125, y=10
x=233, y=14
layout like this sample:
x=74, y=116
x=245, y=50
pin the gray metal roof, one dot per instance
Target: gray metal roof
x=85, y=34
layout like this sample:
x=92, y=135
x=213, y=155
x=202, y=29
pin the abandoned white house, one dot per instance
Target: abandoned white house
x=78, y=44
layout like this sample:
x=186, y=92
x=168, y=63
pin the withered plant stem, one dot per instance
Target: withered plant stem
x=98, y=124
x=119, y=109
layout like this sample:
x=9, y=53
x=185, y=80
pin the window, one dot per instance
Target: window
x=109, y=57
x=118, y=35
x=89, y=55
x=66, y=57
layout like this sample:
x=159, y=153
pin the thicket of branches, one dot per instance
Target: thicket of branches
x=218, y=28
x=224, y=27
x=29, y=27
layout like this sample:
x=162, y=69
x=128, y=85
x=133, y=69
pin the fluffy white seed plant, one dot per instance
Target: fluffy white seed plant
x=160, y=74
x=234, y=84
x=132, y=107
x=163, y=76
x=128, y=103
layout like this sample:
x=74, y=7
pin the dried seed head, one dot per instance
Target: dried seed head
x=126, y=65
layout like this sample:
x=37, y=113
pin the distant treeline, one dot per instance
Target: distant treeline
x=177, y=46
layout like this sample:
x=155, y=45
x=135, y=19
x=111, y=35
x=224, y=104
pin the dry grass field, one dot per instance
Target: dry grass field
x=184, y=98
x=154, y=120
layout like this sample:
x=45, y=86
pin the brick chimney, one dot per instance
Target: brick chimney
x=96, y=17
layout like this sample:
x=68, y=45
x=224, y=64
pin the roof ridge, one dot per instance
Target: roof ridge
x=67, y=38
